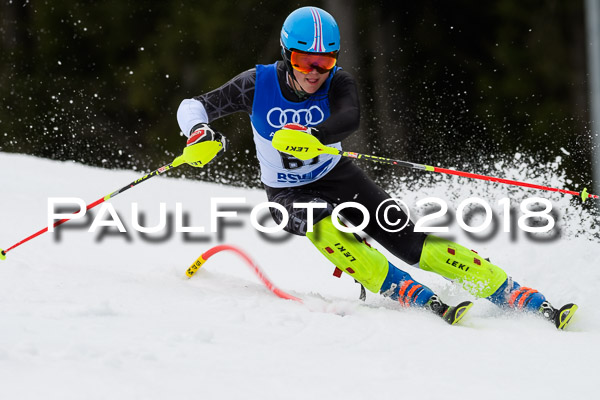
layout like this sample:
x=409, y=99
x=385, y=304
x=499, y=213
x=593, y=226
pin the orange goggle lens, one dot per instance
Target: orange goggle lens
x=306, y=62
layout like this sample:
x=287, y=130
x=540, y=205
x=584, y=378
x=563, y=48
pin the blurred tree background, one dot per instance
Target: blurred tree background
x=449, y=83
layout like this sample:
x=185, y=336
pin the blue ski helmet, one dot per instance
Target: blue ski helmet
x=312, y=30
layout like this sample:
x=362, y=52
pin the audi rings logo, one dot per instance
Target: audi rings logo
x=278, y=117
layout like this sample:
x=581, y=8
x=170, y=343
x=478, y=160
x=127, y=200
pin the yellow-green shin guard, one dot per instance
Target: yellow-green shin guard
x=362, y=262
x=455, y=262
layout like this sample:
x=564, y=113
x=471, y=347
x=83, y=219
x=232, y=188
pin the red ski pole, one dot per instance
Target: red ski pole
x=195, y=155
x=305, y=147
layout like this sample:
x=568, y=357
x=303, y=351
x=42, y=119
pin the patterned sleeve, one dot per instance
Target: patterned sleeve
x=345, y=110
x=234, y=96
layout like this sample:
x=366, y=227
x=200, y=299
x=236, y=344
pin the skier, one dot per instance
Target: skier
x=306, y=91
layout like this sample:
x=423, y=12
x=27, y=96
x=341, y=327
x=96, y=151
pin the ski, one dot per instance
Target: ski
x=453, y=315
x=562, y=317
x=450, y=314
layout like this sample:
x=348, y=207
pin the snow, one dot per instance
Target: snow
x=105, y=317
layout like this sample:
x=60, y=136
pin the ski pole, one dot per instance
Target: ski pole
x=305, y=147
x=196, y=155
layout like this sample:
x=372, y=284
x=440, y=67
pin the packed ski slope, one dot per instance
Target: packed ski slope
x=113, y=316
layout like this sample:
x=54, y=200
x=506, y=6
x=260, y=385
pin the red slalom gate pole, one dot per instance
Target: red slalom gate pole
x=255, y=268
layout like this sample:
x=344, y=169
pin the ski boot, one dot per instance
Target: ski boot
x=411, y=293
x=520, y=298
x=561, y=318
x=448, y=313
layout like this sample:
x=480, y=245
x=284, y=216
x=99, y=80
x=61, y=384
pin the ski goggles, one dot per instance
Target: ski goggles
x=306, y=62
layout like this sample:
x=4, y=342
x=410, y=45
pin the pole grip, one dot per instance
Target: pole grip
x=2, y=255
